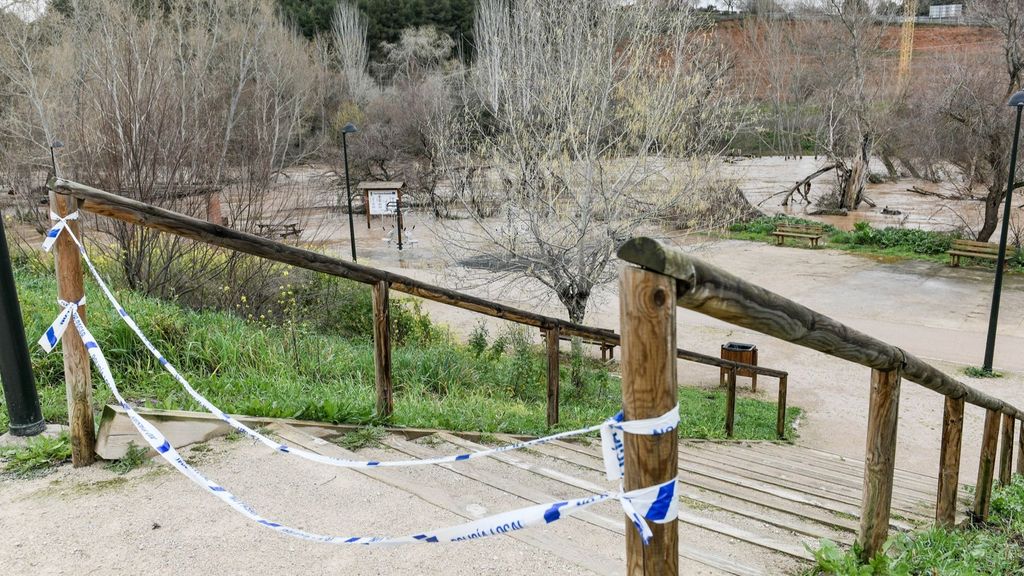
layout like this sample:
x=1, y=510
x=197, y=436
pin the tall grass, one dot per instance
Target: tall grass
x=315, y=362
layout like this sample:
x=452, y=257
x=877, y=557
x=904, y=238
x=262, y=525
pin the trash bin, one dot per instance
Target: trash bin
x=744, y=353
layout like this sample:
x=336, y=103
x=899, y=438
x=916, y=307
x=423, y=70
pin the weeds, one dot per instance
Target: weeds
x=37, y=457
x=135, y=457
x=369, y=437
x=979, y=372
x=993, y=549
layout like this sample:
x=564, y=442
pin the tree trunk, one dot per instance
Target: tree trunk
x=576, y=306
x=857, y=177
x=993, y=201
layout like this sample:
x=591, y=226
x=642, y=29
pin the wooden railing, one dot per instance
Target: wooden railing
x=382, y=282
x=703, y=288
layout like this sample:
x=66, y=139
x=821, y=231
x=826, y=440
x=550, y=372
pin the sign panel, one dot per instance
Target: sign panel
x=383, y=202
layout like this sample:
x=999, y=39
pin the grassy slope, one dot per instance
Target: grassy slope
x=295, y=371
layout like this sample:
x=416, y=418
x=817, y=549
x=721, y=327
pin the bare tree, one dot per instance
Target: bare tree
x=590, y=122
x=348, y=32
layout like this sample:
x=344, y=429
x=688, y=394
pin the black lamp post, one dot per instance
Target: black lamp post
x=349, y=128
x=1016, y=101
x=53, y=157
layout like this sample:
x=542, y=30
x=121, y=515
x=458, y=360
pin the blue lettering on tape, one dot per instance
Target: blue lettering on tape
x=462, y=457
x=552, y=514
x=659, y=508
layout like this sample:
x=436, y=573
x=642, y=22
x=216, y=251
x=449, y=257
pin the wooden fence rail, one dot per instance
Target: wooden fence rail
x=716, y=293
x=132, y=211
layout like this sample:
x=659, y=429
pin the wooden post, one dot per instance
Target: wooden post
x=382, y=349
x=552, y=336
x=730, y=403
x=949, y=462
x=1006, y=450
x=648, y=317
x=986, y=466
x=879, y=461
x=77, y=374
x=1020, y=451
x=780, y=420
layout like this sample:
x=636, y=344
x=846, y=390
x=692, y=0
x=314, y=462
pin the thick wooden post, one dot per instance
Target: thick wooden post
x=551, y=336
x=780, y=420
x=949, y=461
x=879, y=461
x=382, y=349
x=1006, y=450
x=952, y=437
x=77, y=374
x=648, y=315
x=986, y=466
x=730, y=403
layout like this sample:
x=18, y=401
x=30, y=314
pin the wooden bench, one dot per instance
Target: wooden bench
x=607, y=350
x=972, y=249
x=284, y=230
x=811, y=232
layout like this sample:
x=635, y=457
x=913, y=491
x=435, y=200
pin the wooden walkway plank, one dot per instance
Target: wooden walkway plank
x=552, y=544
x=738, y=533
x=783, y=501
x=510, y=485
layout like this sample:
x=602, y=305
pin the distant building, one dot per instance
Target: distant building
x=946, y=11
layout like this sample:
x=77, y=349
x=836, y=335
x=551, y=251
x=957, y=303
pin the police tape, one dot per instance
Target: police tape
x=656, y=503
x=611, y=430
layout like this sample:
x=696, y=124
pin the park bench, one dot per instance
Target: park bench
x=607, y=350
x=811, y=232
x=972, y=249
x=284, y=230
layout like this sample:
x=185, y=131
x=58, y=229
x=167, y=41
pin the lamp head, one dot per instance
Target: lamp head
x=350, y=128
x=57, y=144
x=1017, y=99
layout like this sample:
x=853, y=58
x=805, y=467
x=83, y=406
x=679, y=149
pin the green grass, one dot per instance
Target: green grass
x=980, y=372
x=36, y=457
x=995, y=549
x=302, y=368
x=896, y=243
x=369, y=437
x=135, y=457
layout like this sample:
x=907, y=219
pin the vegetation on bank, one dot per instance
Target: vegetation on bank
x=892, y=242
x=996, y=548
x=314, y=361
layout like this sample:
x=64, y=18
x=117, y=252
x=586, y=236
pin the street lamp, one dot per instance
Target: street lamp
x=349, y=128
x=1016, y=101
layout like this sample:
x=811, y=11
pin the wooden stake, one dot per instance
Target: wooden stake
x=1020, y=451
x=986, y=466
x=780, y=420
x=648, y=319
x=552, y=336
x=879, y=461
x=730, y=404
x=77, y=374
x=949, y=462
x=382, y=349
x=1006, y=450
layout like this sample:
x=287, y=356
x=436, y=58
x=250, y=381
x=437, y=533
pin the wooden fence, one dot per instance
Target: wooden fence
x=716, y=293
x=662, y=279
x=382, y=282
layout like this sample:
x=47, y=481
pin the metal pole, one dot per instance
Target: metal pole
x=15, y=366
x=348, y=191
x=398, y=217
x=993, y=317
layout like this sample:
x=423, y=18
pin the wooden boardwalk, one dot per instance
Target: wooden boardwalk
x=747, y=508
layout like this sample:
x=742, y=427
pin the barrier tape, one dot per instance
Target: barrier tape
x=613, y=451
x=656, y=503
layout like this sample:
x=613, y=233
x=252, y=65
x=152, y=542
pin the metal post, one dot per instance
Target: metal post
x=15, y=366
x=993, y=318
x=348, y=191
x=398, y=217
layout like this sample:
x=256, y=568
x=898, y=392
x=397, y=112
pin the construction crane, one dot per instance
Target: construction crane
x=907, y=39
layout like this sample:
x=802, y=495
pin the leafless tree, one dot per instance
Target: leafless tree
x=589, y=122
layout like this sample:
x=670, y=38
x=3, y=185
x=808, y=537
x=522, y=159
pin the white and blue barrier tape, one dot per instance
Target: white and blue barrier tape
x=655, y=503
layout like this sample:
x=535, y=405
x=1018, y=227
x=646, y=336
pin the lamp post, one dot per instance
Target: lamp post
x=349, y=128
x=1016, y=101
x=53, y=157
